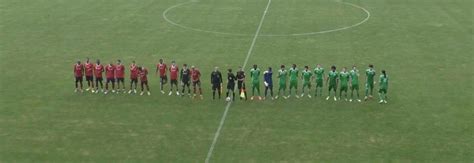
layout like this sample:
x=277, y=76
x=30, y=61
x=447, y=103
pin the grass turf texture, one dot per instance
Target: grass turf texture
x=424, y=45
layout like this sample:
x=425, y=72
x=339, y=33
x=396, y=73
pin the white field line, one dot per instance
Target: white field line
x=252, y=45
x=367, y=12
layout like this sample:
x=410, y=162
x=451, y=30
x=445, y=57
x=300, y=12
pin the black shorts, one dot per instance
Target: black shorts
x=216, y=86
x=120, y=80
x=78, y=78
x=197, y=83
x=134, y=80
x=110, y=80
x=163, y=79
x=186, y=83
x=240, y=85
x=231, y=86
x=174, y=81
x=99, y=79
x=89, y=78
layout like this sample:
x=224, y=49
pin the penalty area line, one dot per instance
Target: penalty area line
x=224, y=115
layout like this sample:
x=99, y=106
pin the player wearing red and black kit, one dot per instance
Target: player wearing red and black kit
x=98, y=70
x=78, y=74
x=120, y=75
x=174, y=70
x=133, y=77
x=196, y=80
x=110, y=75
x=89, y=67
x=143, y=72
x=161, y=68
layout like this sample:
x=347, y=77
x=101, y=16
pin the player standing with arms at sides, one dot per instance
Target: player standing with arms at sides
x=332, y=81
x=241, y=83
x=110, y=75
x=120, y=74
x=383, y=87
x=268, y=81
x=143, y=72
x=78, y=74
x=293, y=80
x=174, y=70
x=344, y=78
x=230, y=84
x=255, y=75
x=196, y=79
x=185, y=76
x=98, y=70
x=306, y=75
x=319, y=72
x=282, y=75
x=161, y=68
x=133, y=77
x=216, y=82
x=354, y=74
x=369, y=85
x=89, y=67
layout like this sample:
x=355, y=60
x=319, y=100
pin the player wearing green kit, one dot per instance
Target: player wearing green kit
x=369, y=85
x=255, y=75
x=383, y=87
x=319, y=73
x=282, y=75
x=293, y=80
x=307, y=76
x=344, y=78
x=332, y=81
x=354, y=84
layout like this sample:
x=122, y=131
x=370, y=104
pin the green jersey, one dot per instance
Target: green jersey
x=383, y=82
x=319, y=72
x=282, y=74
x=344, y=78
x=354, y=77
x=307, y=75
x=332, y=77
x=370, y=75
x=293, y=74
x=255, y=74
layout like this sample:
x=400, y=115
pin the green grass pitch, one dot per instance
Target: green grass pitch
x=425, y=46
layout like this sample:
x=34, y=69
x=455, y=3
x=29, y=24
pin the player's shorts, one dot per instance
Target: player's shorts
x=231, y=86
x=383, y=90
x=294, y=84
x=78, y=78
x=355, y=87
x=186, y=83
x=120, y=80
x=307, y=84
x=163, y=79
x=197, y=83
x=134, y=80
x=89, y=78
x=282, y=86
x=319, y=83
x=369, y=85
x=99, y=79
x=344, y=88
x=110, y=80
x=174, y=82
x=216, y=86
x=240, y=85
x=255, y=83
x=332, y=87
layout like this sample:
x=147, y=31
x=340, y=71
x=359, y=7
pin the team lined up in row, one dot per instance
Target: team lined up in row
x=345, y=80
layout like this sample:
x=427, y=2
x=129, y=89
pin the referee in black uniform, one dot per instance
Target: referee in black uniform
x=216, y=81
